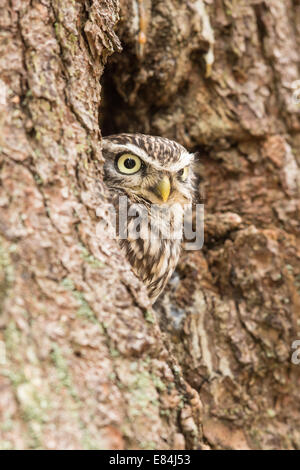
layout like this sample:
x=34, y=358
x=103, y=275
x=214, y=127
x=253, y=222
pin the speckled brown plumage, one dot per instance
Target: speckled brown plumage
x=154, y=146
x=153, y=259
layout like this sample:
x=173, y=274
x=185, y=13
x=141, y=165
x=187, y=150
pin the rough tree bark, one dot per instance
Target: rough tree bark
x=85, y=362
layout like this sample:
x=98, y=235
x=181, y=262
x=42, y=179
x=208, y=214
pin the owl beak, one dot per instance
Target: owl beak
x=163, y=188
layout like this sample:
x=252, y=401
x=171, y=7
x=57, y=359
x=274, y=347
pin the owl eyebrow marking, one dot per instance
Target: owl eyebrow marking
x=186, y=158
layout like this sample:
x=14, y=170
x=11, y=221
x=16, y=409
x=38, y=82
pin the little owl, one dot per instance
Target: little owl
x=156, y=176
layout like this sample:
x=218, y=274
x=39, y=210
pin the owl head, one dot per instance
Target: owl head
x=148, y=169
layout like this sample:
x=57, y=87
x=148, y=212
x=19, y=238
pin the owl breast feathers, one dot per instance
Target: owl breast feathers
x=155, y=175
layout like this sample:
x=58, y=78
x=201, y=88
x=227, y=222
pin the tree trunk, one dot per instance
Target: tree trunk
x=85, y=361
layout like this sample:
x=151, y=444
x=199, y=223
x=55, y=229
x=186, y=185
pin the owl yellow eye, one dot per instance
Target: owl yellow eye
x=183, y=173
x=129, y=163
